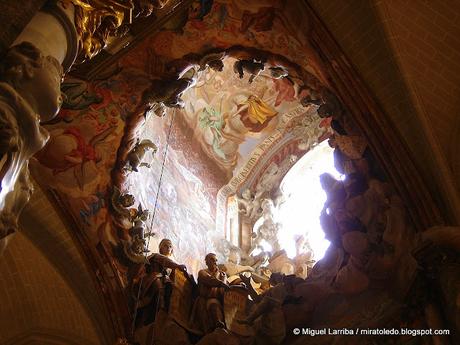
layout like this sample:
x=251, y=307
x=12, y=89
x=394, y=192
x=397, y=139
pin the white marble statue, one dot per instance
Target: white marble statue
x=30, y=93
x=249, y=205
x=268, y=230
x=233, y=267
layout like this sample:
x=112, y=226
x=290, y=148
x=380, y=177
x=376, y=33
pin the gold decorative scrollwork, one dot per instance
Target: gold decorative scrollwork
x=96, y=20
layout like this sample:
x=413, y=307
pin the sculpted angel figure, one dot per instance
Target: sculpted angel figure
x=251, y=67
x=249, y=205
x=135, y=157
x=267, y=232
x=164, y=94
x=122, y=202
x=233, y=267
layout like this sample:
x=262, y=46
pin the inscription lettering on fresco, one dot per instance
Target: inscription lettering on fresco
x=246, y=170
x=260, y=149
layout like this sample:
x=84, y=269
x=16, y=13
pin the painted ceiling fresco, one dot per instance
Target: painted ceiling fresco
x=225, y=120
x=231, y=116
x=76, y=167
x=184, y=207
x=82, y=150
x=265, y=25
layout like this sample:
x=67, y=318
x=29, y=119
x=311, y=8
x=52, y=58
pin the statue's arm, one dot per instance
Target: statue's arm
x=166, y=262
x=206, y=279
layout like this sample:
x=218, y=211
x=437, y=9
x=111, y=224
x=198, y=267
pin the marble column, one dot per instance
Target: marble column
x=53, y=32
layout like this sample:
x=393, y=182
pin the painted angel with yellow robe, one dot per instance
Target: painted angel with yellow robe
x=257, y=115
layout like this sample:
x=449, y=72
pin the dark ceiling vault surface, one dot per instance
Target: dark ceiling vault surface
x=46, y=282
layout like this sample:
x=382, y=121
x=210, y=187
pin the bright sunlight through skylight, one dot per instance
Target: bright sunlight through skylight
x=299, y=214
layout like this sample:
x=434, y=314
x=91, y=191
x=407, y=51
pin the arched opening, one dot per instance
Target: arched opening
x=304, y=200
x=239, y=120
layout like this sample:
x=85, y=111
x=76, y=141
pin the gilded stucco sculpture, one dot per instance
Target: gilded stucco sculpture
x=97, y=20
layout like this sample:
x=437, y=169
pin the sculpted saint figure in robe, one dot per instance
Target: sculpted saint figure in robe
x=155, y=287
x=208, y=309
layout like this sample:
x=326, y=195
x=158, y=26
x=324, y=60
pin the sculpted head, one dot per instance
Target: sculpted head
x=327, y=181
x=293, y=159
x=35, y=77
x=126, y=200
x=246, y=194
x=211, y=261
x=267, y=205
x=216, y=65
x=165, y=247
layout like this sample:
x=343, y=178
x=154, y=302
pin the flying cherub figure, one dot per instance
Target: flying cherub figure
x=248, y=205
x=122, y=202
x=278, y=72
x=136, y=155
x=213, y=61
x=251, y=67
x=166, y=93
